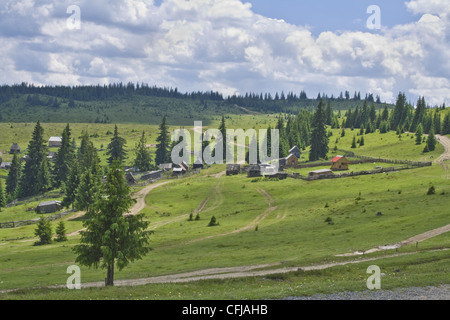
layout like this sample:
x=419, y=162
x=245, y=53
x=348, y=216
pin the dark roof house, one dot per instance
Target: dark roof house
x=14, y=148
x=49, y=207
x=295, y=151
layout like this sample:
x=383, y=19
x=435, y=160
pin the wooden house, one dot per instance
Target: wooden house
x=55, y=142
x=295, y=151
x=254, y=171
x=14, y=148
x=130, y=178
x=166, y=166
x=291, y=161
x=198, y=164
x=339, y=163
x=233, y=169
x=49, y=207
x=154, y=175
x=320, y=173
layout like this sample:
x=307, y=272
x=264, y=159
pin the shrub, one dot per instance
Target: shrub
x=431, y=190
x=213, y=222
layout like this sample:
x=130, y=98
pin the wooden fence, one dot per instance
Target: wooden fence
x=15, y=224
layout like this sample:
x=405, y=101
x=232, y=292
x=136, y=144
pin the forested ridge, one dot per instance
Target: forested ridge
x=141, y=103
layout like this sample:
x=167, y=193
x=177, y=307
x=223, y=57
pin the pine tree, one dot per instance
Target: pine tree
x=44, y=182
x=143, y=161
x=419, y=133
x=70, y=187
x=116, y=148
x=361, y=142
x=61, y=232
x=446, y=125
x=354, y=142
x=419, y=113
x=431, y=140
x=110, y=237
x=163, y=144
x=2, y=196
x=37, y=150
x=87, y=191
x=64, y=158
x=319, y=137
x=12, y=181
x=43, y=231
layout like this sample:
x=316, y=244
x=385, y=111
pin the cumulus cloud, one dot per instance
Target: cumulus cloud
x=221, y=45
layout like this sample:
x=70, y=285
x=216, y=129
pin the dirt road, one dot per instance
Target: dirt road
x=445, y=141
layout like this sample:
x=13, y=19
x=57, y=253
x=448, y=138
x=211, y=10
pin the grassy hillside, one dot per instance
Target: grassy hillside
x=289, y=223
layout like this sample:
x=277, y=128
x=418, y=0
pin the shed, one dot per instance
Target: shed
x=339, y=163
x=321, y=173
x=254, y=171
x=49, y=207
x=51, y=155
x=14, y=148
x=291, y=161
x=130, y=178
x=55, y=142
x=198, y=164
x=295, y=151
x=5, y=165
x=154, y=175
x=233, y=169
x=165, y=166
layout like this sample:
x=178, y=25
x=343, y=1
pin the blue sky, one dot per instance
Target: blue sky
x=232, y=46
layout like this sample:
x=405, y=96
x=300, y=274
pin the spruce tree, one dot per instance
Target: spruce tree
x=2, y=196
x=13, y=178
x=37, y=150
x=163, y=143
x=319, y=137
x=419, y=133
x=111, y=238
x=43, y=231
x=44, y=182
x=354, y=142
x=87, y=191
x=431, y=141
x=61, y=232
x=64, y=158
x=116, y=148
x=143, y=160
x=70, y=187
x=446, y=125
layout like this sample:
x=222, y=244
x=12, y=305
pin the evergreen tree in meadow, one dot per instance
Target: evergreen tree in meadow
x=143, y=160
x=431, y=141
x=70, y=186
x=61, y=232
x=319, y=136
x=163, y=154
x=37, y=151
x=111, y=238
x=116, y=148
x=12, y=180
x=2, y=196
x=44, y=179
x=87, y=191
x=446, y=125
x=64, y=158
x=43, y=231
x=419, y=134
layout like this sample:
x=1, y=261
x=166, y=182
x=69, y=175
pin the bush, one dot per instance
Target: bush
x=431, y=190
x=213, y=222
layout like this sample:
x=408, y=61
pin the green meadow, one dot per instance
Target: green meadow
x=286, y=223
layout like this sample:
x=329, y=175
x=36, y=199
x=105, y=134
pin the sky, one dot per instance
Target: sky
x=232, y=46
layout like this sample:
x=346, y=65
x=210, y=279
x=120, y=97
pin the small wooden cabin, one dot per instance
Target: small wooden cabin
x=295, y=151
x=320, y=173
x=339, y=163
x=54, y=142
x=233, y=169
x=49, y=207
x=291, y=161
x=14, y=148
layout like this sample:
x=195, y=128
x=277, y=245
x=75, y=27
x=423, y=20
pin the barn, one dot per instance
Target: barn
x=49, y=207
x=320, y=173
x=154, y=175
x=339, y=163
x=295, y=151
x=291, y=161
x=14, y=148
x=54, y=142
x=233, y=169
x=254, y=171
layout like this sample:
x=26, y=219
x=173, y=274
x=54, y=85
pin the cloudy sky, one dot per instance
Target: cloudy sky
x=232, y=46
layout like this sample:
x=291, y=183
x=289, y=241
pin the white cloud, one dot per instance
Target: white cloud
x=221, y=45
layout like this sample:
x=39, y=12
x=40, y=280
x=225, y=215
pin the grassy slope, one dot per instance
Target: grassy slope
x=296, y=233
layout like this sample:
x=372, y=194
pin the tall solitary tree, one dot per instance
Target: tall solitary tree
x=116, y=148
x=111, y=238
x=319, y=136
x=431, y=140
x=143, y=160
x=163, y=144
x=419, y=133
